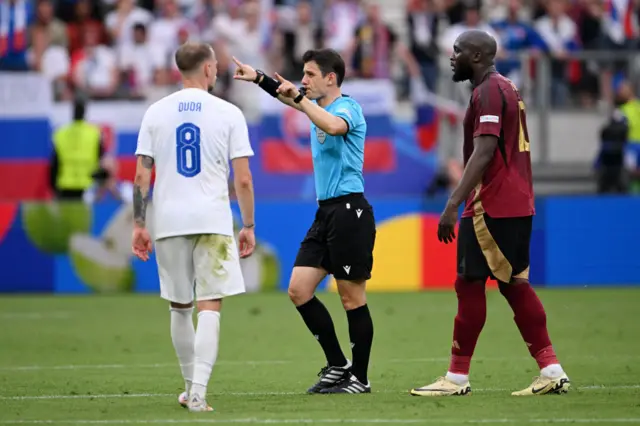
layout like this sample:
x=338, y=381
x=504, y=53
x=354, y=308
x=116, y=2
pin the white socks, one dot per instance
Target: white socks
x=206, y=350
x=552, y=371
x=183, y=336
x=458, y=379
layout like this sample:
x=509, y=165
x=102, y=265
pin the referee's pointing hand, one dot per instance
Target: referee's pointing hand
x=243, y=71
x=287, y=88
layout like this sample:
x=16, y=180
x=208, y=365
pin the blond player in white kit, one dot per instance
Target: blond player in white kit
x=190, y=136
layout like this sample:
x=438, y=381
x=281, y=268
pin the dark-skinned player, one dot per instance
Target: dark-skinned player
x=495, y=230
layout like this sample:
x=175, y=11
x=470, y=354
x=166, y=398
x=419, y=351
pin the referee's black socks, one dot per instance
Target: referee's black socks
x=319, y=322
x=361, y=335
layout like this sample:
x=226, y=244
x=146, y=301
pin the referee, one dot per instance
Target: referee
x=341, y=239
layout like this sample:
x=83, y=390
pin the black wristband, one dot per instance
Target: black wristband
x=258, y=75
x=300, y=97
x=269, y=84
x=249, y=226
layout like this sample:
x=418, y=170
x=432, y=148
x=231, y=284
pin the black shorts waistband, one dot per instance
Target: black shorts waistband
x=341, y=199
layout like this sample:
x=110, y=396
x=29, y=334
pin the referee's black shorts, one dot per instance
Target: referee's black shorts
x=495, y=248
x=341, y=238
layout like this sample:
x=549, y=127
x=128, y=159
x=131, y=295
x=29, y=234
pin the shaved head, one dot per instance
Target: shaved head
x=473, y=54
x=479, y=41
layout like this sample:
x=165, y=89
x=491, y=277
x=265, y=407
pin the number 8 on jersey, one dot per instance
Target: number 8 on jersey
x=188, y=149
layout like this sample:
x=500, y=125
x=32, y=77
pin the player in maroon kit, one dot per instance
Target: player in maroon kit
x=495, y=229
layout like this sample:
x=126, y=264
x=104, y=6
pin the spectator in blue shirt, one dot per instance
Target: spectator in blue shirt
x=515, y=35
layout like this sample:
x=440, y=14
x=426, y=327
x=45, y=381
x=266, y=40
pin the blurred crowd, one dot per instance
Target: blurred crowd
x=115, y=49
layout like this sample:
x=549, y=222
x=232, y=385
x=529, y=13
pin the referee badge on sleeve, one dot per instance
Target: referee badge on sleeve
x=321, y=135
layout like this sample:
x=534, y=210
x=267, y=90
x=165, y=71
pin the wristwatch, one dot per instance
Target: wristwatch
x=300, y=97
x=258, y=75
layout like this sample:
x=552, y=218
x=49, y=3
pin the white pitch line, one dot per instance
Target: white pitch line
x=83, y=367
x=158, y=395
x=35, y=315
x=100, y=396
x=260, y=362
x=324, y=421
x=502, y=359
x=123, y=366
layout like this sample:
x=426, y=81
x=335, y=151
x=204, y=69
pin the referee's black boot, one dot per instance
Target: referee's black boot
x=349, y=385
x=330, y=376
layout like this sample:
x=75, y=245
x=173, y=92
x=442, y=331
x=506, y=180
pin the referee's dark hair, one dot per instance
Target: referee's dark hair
x=191, y=54
x=328, y=60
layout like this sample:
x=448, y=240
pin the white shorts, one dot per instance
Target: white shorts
x=208, y=265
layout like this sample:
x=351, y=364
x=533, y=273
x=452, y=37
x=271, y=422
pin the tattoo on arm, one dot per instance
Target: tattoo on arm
x=139, y=206
x=140, y=194
x=147, y=162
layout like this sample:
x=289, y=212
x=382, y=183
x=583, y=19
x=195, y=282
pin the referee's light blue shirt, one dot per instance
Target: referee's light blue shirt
x=338, y=160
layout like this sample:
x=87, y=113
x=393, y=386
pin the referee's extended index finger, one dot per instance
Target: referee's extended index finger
x=238, y=63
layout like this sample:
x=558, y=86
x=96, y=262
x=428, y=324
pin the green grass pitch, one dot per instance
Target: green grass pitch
x=108, y=360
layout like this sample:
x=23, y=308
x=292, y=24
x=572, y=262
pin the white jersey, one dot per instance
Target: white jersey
x=191, y=136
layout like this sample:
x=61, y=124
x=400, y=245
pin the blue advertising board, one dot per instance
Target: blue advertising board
x=78, y=248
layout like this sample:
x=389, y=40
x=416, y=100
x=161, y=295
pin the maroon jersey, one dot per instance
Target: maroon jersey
x=506, y=190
